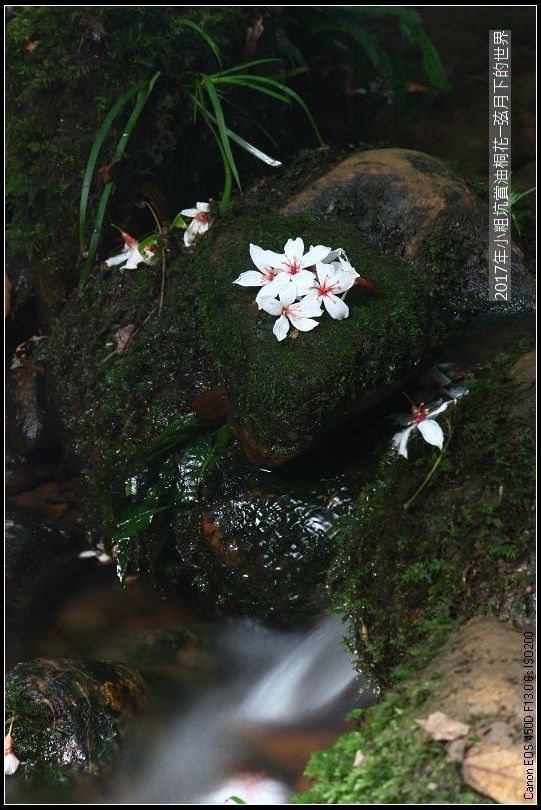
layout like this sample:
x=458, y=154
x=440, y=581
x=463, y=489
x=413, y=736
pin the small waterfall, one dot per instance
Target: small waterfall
x=274, y=685
x=315, y=671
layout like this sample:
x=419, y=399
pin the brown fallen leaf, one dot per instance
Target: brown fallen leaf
x=442, y=727
x=123, y=337
x=496, y=772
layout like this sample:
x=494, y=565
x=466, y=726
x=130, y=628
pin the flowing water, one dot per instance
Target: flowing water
x=280, y=695
x=239, y=716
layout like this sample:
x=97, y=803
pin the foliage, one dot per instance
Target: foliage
x=205, y=94
x=349, y=34
x=143, y=90
x=66, y=69
x=517, y=212
x=171, y=472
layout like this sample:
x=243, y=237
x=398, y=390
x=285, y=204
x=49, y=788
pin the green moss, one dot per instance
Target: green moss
x=400, y=766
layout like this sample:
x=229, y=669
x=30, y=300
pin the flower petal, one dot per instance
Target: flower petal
x=302, y=323
x=335, y=307
x=441, y=408
x=270, y=305
x=279, y=282
x=431, y=432
x=119, y=258
x=250, y=278
x=11, y=763
x=294, y=248
x=400, y=441
x=314, y=255
x=281, y=327
x=265, y=258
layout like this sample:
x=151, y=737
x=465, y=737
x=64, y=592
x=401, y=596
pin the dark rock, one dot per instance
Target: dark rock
x=416, y=207
x=69, y=715
x=29, y=428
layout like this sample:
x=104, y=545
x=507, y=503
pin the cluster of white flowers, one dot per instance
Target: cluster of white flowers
x=294, y=285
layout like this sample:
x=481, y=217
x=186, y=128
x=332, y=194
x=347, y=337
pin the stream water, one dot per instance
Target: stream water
x=279, y=695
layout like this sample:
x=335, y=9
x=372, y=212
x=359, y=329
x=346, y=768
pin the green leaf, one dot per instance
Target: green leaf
x=436, y=73
x=115, y=110
x=208, y=39
x=143, y=92
x=222, y=129
x=178, y=222
x=249, y=147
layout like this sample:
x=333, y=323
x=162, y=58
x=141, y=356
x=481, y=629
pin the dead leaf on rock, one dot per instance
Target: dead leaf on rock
x=442, y=727
x=123, y=337
x=496, y=772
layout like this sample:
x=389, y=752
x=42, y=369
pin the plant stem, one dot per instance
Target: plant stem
x=160, y=231
x=431, y=473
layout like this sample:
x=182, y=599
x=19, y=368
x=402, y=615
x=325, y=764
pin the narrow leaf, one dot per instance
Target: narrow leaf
x=208, y=39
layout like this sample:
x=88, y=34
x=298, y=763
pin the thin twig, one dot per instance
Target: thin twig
x=160, y=231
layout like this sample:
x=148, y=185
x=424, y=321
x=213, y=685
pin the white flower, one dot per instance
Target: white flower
x=425, y=421
x=293, y=264
x=261, y=277
x=340, y=261
x=298, y=313
x=200, y=222
x=331, y=282
x=130, y=256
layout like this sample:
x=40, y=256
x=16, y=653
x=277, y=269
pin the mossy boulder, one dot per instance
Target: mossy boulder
x=415, y=206
x=284, y=395
x=69, y=715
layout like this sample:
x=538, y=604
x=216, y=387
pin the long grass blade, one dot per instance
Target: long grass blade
x=220, y=122
x=94, y=152
x=208, y=39
x=249, y=147
x=142, y=97
x=274, y=88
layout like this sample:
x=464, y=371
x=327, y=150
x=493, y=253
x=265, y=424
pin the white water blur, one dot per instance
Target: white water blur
x=269, y=680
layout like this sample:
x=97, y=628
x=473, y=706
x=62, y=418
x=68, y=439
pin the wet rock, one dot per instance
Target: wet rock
x=29, y=427
x=265, y=541
x=414, y=206
x=70, y=715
